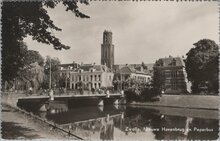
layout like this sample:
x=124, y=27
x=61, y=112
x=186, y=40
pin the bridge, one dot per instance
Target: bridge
x=69, y=96
x=73, y=100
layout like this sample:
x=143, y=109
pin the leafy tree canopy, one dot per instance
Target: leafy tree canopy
x=202, y=63
x=20, y=19
x=32, y=57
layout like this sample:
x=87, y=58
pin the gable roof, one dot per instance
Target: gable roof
x=127, y=69
x=170, y=61
x=88, y=67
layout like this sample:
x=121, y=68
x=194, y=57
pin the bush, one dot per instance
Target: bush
x=150, y=94
x=147, y=94
x=131, y=95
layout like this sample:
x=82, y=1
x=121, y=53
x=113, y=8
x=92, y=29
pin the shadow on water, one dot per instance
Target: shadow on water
x=171, y=127
x=12, y=130
x=130, y=123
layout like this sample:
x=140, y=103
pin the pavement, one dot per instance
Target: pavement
x=16, y=125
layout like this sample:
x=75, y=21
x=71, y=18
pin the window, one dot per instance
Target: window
x=99, y=77
x=95, y=77
x=91, y=77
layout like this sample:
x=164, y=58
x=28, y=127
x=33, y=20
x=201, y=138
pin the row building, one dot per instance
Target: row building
x=91, y=76
x=171, y=71
x=171, y=75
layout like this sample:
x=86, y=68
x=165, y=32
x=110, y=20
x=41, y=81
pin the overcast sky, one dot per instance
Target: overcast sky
x=142, y=31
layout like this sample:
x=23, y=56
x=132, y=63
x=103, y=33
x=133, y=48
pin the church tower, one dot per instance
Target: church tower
x=107, y=50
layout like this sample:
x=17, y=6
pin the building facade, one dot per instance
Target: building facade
x=172, y=75
x=127, y=72
x=91, y=76
x=65, y=70
x=107, y=50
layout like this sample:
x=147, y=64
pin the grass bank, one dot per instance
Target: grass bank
x=185, y=101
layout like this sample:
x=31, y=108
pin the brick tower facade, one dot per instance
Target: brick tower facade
x=107, y=50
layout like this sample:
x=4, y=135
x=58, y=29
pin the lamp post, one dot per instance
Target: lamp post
x=121, y=80
x=66, y=81
x=50, y=75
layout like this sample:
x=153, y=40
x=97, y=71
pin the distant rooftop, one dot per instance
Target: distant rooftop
x=88, y=67
x=170, y=61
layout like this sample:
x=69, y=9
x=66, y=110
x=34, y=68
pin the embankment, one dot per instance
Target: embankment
x=10, y=99
x=185, y=101
x=29, y=121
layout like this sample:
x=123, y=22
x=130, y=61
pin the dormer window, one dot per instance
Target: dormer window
x=92, y=70
x=80, y=70
x=174, y=62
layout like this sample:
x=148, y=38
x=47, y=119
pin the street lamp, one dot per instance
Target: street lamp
x=49, y=67
x=121, y=90
x=50, y=76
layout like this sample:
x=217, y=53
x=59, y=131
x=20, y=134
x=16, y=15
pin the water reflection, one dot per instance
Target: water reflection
x=107, y=128
x=132, y=123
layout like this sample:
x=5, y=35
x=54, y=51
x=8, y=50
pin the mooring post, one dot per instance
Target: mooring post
x=107, y=92
x=51, y=95
x=122, y=93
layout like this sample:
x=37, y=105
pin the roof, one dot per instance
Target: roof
x=130, y=69
x=149, y=66
x=88, y=67
x=66, y=65
x=170, y=61
x=134, y=68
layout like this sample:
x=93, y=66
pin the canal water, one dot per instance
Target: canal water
x=134, y=123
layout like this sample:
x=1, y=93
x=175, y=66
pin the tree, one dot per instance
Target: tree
x=33, y=56
x=202, y=65
x=32, y=72
x=212, y=69
x=20, y=19
x=55, y=73
x=157, y=81
x=13, y=61
x=140, y=91
x=144, y=66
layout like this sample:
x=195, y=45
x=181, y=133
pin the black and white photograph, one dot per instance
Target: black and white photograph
x=110, y=70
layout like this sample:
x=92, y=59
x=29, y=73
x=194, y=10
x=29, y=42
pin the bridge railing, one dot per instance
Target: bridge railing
x=60, y=93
